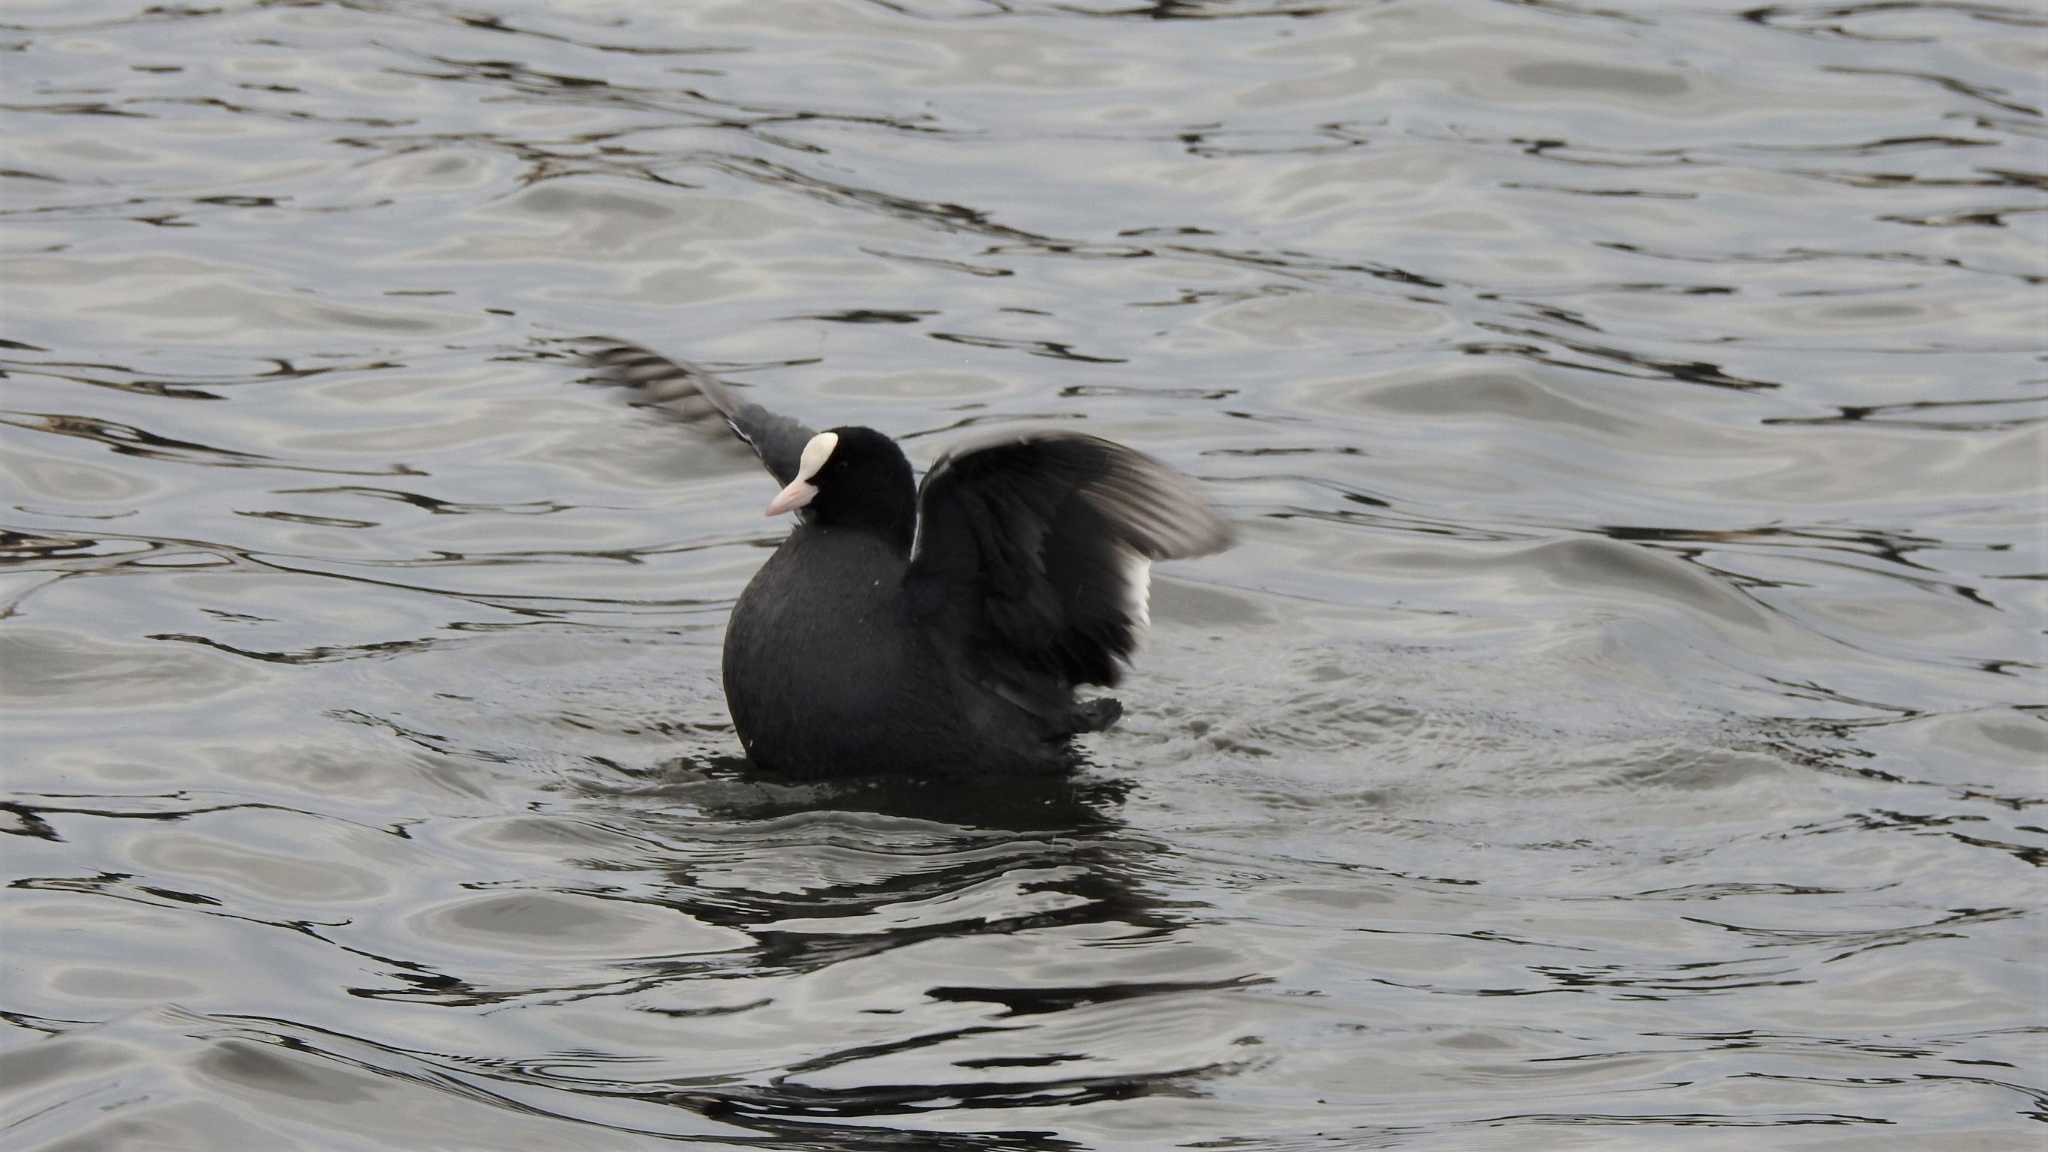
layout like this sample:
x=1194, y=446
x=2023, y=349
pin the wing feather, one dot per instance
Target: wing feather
x=1035, y=549
x=696, y=397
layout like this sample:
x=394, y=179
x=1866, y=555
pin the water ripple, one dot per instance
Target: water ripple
x=1620, y=723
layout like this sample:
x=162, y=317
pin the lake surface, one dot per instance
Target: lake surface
x=1620, y=724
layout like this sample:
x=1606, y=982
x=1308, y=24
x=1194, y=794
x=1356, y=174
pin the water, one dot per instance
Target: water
x=1619, y=726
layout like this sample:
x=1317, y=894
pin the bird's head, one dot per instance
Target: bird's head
x=853, y=477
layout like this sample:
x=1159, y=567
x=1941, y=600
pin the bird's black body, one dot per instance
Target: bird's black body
x=942, y=627
x=826, y=673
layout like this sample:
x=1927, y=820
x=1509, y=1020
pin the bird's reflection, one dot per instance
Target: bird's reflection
x=851, y=868
x=1082, y=799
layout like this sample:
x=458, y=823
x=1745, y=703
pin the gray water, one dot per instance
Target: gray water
x=1620, y=724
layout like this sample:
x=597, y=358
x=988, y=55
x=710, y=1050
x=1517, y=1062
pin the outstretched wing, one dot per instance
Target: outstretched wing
x=1036, y=549
x=695, y=397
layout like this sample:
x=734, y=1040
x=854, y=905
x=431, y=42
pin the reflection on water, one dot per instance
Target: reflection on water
x=1622, y=722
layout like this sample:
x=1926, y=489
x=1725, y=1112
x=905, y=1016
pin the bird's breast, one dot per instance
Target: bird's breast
x=820, y=638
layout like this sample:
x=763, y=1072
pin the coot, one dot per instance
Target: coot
x=934, y=627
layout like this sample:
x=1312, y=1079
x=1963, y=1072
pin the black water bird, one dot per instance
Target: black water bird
x=934, y=627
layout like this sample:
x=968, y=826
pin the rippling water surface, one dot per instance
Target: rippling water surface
x=1619, y=726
